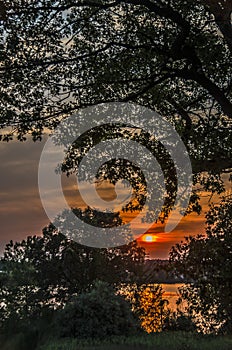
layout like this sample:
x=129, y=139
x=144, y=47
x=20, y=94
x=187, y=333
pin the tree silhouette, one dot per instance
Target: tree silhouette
x=174, y=57
x=205, y=261
x=44, y=272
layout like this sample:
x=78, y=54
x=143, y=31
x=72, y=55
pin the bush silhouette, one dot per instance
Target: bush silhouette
x=96, y=314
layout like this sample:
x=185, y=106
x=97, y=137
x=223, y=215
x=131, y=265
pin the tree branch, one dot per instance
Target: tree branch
x=209, y=86
x=222, y=14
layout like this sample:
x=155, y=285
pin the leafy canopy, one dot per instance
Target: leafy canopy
x=172, y=56
x=44, y=272
x=205, y=261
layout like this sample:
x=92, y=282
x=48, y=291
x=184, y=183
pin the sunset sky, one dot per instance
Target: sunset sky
x=22, y=214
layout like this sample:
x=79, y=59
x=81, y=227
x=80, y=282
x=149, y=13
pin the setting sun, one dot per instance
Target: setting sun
x=148, y=238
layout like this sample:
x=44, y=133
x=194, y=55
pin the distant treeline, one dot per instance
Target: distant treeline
x=160, y=271
x=153, y=271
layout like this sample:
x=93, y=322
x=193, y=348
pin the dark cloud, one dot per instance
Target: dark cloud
x=21, y=212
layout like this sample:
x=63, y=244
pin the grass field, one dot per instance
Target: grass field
x=158, y=341
x=161, y=341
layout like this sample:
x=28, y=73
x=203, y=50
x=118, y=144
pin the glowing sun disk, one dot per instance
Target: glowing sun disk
x=149, y=238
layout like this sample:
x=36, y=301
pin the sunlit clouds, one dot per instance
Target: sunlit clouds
x=22, y=214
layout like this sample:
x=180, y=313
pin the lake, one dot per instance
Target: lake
x=171, y=293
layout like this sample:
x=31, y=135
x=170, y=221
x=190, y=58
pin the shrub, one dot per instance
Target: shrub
x=97, y=314
x=179, y=322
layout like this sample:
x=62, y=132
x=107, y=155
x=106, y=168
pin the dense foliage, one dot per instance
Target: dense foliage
x=206, y=262
x=148, y=304
x=175, y=56
x=45, y=272
x=97, y=314
x=171, y=56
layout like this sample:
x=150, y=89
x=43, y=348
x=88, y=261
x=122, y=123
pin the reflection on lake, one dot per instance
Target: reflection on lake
x=171, y=293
